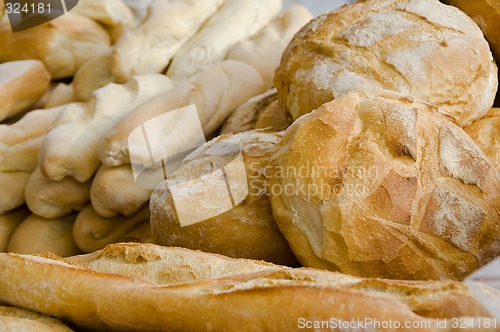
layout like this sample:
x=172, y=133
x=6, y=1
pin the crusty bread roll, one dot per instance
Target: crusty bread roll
x=95, y=74
x=420, y=48
x=63, y=44
x=149, y=47
x=152, y=288
x=36, y=234
x=114, y=191
x=14, y=319
x=235, y=20
x=245, y=230
x=259, y=112
x=140, y=233
x=486, y=133
x=93, y=232
x=8, y=224
x=55, y=199
x=12, y=193
x=378, y=184
x=21, y=84
x=61, y=94
x=70, y=146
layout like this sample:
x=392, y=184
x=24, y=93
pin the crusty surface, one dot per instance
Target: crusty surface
x=14, y=319
x=248, y=229
x=232, y=294
x=379, y=184
x=486, y=133
x=421, y=48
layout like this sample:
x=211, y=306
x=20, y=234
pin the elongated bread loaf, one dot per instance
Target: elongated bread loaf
x=61, y=94
x=14, y=319
x=8, y=224
x=95, y=74
x=152, y=288
x=486, y=133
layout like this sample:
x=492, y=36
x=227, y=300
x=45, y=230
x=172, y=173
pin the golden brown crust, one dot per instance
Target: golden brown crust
x=486, y=133
x=17, y=319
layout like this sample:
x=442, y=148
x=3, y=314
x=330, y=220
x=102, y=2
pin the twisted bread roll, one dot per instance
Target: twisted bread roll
x=17, y=319
x=70, y=147
x=141, y=52
x=95, y=74
x=378, y=184
x=8, y=224
x=420, y=48
x=21, y=84
x=235, y=20
x=147, y=287
x=486, y=133
x=63, y=45
x=36, y=234
x=61, y=94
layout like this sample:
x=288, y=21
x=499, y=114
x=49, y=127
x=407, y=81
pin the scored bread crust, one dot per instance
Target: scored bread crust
x=486, y=133
x=147, y=287
x=421, y=48
x=18, y=319
x=379, y=184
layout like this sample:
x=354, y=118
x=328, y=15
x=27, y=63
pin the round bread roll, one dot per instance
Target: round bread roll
x=17, y=319
x=486, y=134
x=241, y=224
x=8, y=224
x=378, y=184
x=421, y=48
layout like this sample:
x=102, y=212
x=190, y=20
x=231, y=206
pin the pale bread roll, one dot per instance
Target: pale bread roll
x=149, y=47
x=93, y=232
x=95, y=74
x=236, y=20
x=12, y=193
x=61, y=94
x=147, y=287
x=248, y=229
x=63, y=44
x=486, y=133
x=139, y=8
x=14, y=319
x=379, y=184
x=8, y=224
x=114, y=191
x=70, y=146
x=55, y=199
x=21, y=84
x=420, y=48
x=36, y=234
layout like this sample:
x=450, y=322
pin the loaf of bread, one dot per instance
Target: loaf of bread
x=21, y=84
x=8, y=224
x=486, y=133
x=189, y=209
x=14, y=319
x=36, y=234
x=61, y=94
x=421, y=48
x=152, y=288
x=379, y=184
x=236, y=20
x=95, y=74
x=63, y=45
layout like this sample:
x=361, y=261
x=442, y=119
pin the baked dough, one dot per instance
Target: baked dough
x=14, y=319
x=486, y=133
x=8, y=224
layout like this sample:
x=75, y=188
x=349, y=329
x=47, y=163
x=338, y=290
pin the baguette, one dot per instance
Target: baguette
x=8, y=224
x=14, y=319
x=21, y=84
x=150, y=288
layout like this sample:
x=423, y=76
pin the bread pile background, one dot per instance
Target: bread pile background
x=369, y=146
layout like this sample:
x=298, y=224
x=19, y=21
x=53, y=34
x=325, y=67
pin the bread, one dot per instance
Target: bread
x=8, y=224
x=235, y=20
x=63, y=44
x=12, y=193
x=420, y=48
x=139, y=51
x=2, y=9
x=93, y=232
x=486, y=134
x=70, y=146
x=61, y=94
x=21, y=84
x=55, y=199
x=140, y=233
x=146, y=287
x=139, y=8
x=217, y=92
x=256, y=113
x=36, y=234
x=115, y=192
x=380, y=184
x=14, y=319
x=95, y=74
x=195, y=209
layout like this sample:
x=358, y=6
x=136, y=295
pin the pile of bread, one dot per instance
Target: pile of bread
x=369, y=147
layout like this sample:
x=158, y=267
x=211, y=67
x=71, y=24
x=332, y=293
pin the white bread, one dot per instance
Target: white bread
x=63, y=44
x=151, y=288
x=21, y=84
x=236, y=20
x=12, y=193
x=218, y=91
x=149, y=47
x=486, y=133
x=246, y=228
x=70, y=146
x=379, y=184
x=14, y=319
x=93, y=232
x=139, y=8
x=95, y=74
x=8, y=224
x=114, y=191
x=55, y=199
x=420, y=48
x=36, y=234
x=60, y=95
